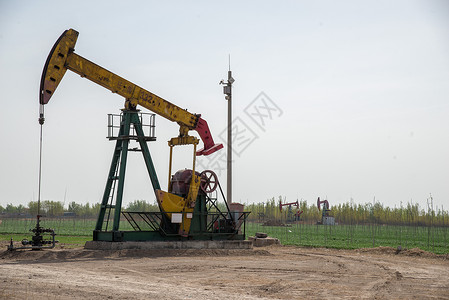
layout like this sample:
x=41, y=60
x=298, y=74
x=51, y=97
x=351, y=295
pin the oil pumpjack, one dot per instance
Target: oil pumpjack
x=291, y=217
x=189, y=209
x=326, y=218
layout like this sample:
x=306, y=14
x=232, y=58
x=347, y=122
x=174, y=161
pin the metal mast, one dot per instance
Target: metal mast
x=227, y=90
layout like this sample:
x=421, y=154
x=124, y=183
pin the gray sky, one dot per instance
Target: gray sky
x=356, y=91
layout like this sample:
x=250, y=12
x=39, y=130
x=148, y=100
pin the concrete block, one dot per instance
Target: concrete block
x=102, y=245
x=263, y=242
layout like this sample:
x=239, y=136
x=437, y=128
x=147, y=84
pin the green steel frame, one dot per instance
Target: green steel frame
x=116, y=176
x=158, y=227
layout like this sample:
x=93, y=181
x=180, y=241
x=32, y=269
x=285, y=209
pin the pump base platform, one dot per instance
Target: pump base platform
x=220, y=244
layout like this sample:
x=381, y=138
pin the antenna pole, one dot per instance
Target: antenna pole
x=227, y=90
x=229, y=150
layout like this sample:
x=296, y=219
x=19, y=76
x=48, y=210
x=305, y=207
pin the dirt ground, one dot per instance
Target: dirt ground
x=274, y=272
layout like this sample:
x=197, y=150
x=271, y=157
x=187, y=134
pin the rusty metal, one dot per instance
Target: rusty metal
x=324, y=202
x=209, y=181
x=62, y=58
x=288, y=204
x=326, y=218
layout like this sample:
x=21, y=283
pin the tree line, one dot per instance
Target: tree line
x=57, y=209
x=347, y=213
x=352, y=213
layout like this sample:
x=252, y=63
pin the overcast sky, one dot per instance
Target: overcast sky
x=333, y=99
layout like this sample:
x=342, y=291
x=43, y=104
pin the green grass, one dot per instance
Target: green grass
x=67, y=241
x=434, y=239
x=62, y=227
x=69, y=232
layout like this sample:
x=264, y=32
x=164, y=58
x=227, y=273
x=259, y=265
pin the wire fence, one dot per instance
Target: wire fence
x=62, y=226
x=347, y=236
x=433, y=239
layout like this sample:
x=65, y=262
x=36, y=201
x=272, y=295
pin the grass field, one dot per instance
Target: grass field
x=433, y=239
x=65, y=241
x=75, y=232
x=69, y=232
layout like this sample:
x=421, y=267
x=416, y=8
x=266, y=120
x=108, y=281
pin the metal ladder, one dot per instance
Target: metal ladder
x=111, y=204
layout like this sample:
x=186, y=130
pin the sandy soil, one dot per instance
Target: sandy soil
x=263, y=273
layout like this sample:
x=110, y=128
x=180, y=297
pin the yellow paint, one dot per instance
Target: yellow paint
x=171, y=203
x=133, y=93
x=185, y=140
x=56, y=64
x=193, y=190
x=63, y=58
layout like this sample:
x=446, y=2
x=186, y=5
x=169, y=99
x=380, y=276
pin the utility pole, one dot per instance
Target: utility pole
x=227, y=90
